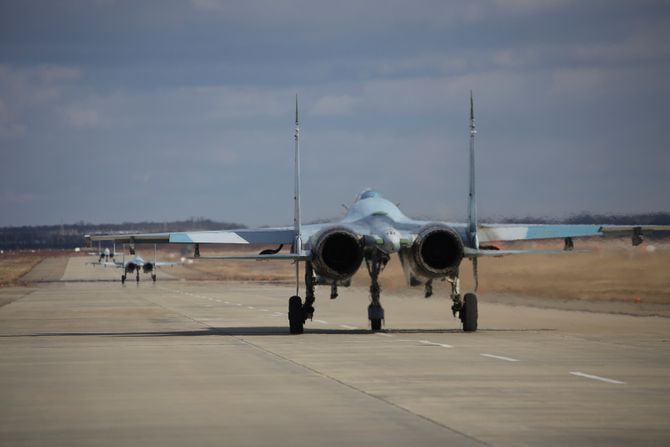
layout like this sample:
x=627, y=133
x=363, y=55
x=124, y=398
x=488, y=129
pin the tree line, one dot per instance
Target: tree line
x=71, y=236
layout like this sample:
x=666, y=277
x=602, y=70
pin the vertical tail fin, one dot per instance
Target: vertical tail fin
x=297, y=230
x=297, y=243
x=472, y=200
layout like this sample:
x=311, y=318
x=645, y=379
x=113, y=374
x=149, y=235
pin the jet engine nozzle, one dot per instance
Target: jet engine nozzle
x=148, y=267
x=337, y=253
x=436, y=252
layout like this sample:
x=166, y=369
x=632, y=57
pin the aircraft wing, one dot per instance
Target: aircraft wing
x=111, y=264
x=166, y=264
x=521, y=232
x=262, y=236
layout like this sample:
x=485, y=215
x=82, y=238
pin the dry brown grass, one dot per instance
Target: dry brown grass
x=611, y=270
x=14, y=265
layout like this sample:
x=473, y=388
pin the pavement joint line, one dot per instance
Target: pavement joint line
x=602, y=379
x=500, y=357
x=362, y=391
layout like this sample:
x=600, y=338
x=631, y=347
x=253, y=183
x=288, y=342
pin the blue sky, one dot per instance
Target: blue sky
x=115, y=111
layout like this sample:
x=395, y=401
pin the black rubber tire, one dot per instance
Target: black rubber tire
x=123, y=279
x=296, y=317
x=153, y=277
x=376, y=324
x=469, y=312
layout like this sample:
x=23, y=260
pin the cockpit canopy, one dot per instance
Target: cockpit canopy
x=368, y=194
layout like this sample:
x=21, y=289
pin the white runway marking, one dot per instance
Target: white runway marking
x=251, y=307
x=602, y=379
x=430, y=343
x=384, y=335
x=346, y=326
x=264, y=310
x=500, y=357
x=321, y=321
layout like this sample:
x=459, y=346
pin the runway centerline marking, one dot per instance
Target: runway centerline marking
x=500, y=357
x=346, y=326
x=321, y=321
x=602, y=379
x=430, y=343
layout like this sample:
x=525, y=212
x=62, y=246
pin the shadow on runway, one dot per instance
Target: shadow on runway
x=261, y=331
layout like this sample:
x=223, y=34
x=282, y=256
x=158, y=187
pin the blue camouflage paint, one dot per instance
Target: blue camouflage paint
x=562, y=231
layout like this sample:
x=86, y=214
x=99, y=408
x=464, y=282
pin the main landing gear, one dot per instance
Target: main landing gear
x=123, y=278
x=298, y=312
x=466, y=308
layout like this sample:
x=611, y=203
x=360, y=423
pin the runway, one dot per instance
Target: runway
x=88, y=361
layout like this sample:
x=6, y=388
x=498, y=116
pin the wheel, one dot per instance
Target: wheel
x=376, y=324
x=123, y=279
x=296, y=318
x=153, y=277
x=469, y=312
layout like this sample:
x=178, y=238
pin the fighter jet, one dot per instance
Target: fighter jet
x=104, y=255
x=374, y=229
x=137, y=264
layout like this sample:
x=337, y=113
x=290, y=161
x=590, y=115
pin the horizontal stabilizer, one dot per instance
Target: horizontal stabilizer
x=473, y=253
x=277, y=257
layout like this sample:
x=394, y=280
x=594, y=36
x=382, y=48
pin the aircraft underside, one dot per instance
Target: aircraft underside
x=375, y=261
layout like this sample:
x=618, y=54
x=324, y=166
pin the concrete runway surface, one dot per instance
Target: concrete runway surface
x=87, y=361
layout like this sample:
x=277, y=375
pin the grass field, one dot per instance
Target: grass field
x=14, y=265
x=609, y=270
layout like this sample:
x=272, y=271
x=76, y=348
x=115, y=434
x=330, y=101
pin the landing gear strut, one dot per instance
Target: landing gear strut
x=298, y=312
x=123, y=278
x=153, y=277
x=466, y=308
x=375, y=263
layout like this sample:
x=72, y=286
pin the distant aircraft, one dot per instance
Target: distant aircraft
x=371, y=231
x=105, y=254
x=137, y=263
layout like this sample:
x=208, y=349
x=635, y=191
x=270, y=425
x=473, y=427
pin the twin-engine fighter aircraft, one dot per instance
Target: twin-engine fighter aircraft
x=137, y=264
x=372, y=230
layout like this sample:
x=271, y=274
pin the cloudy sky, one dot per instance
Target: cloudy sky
x=115, y=111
